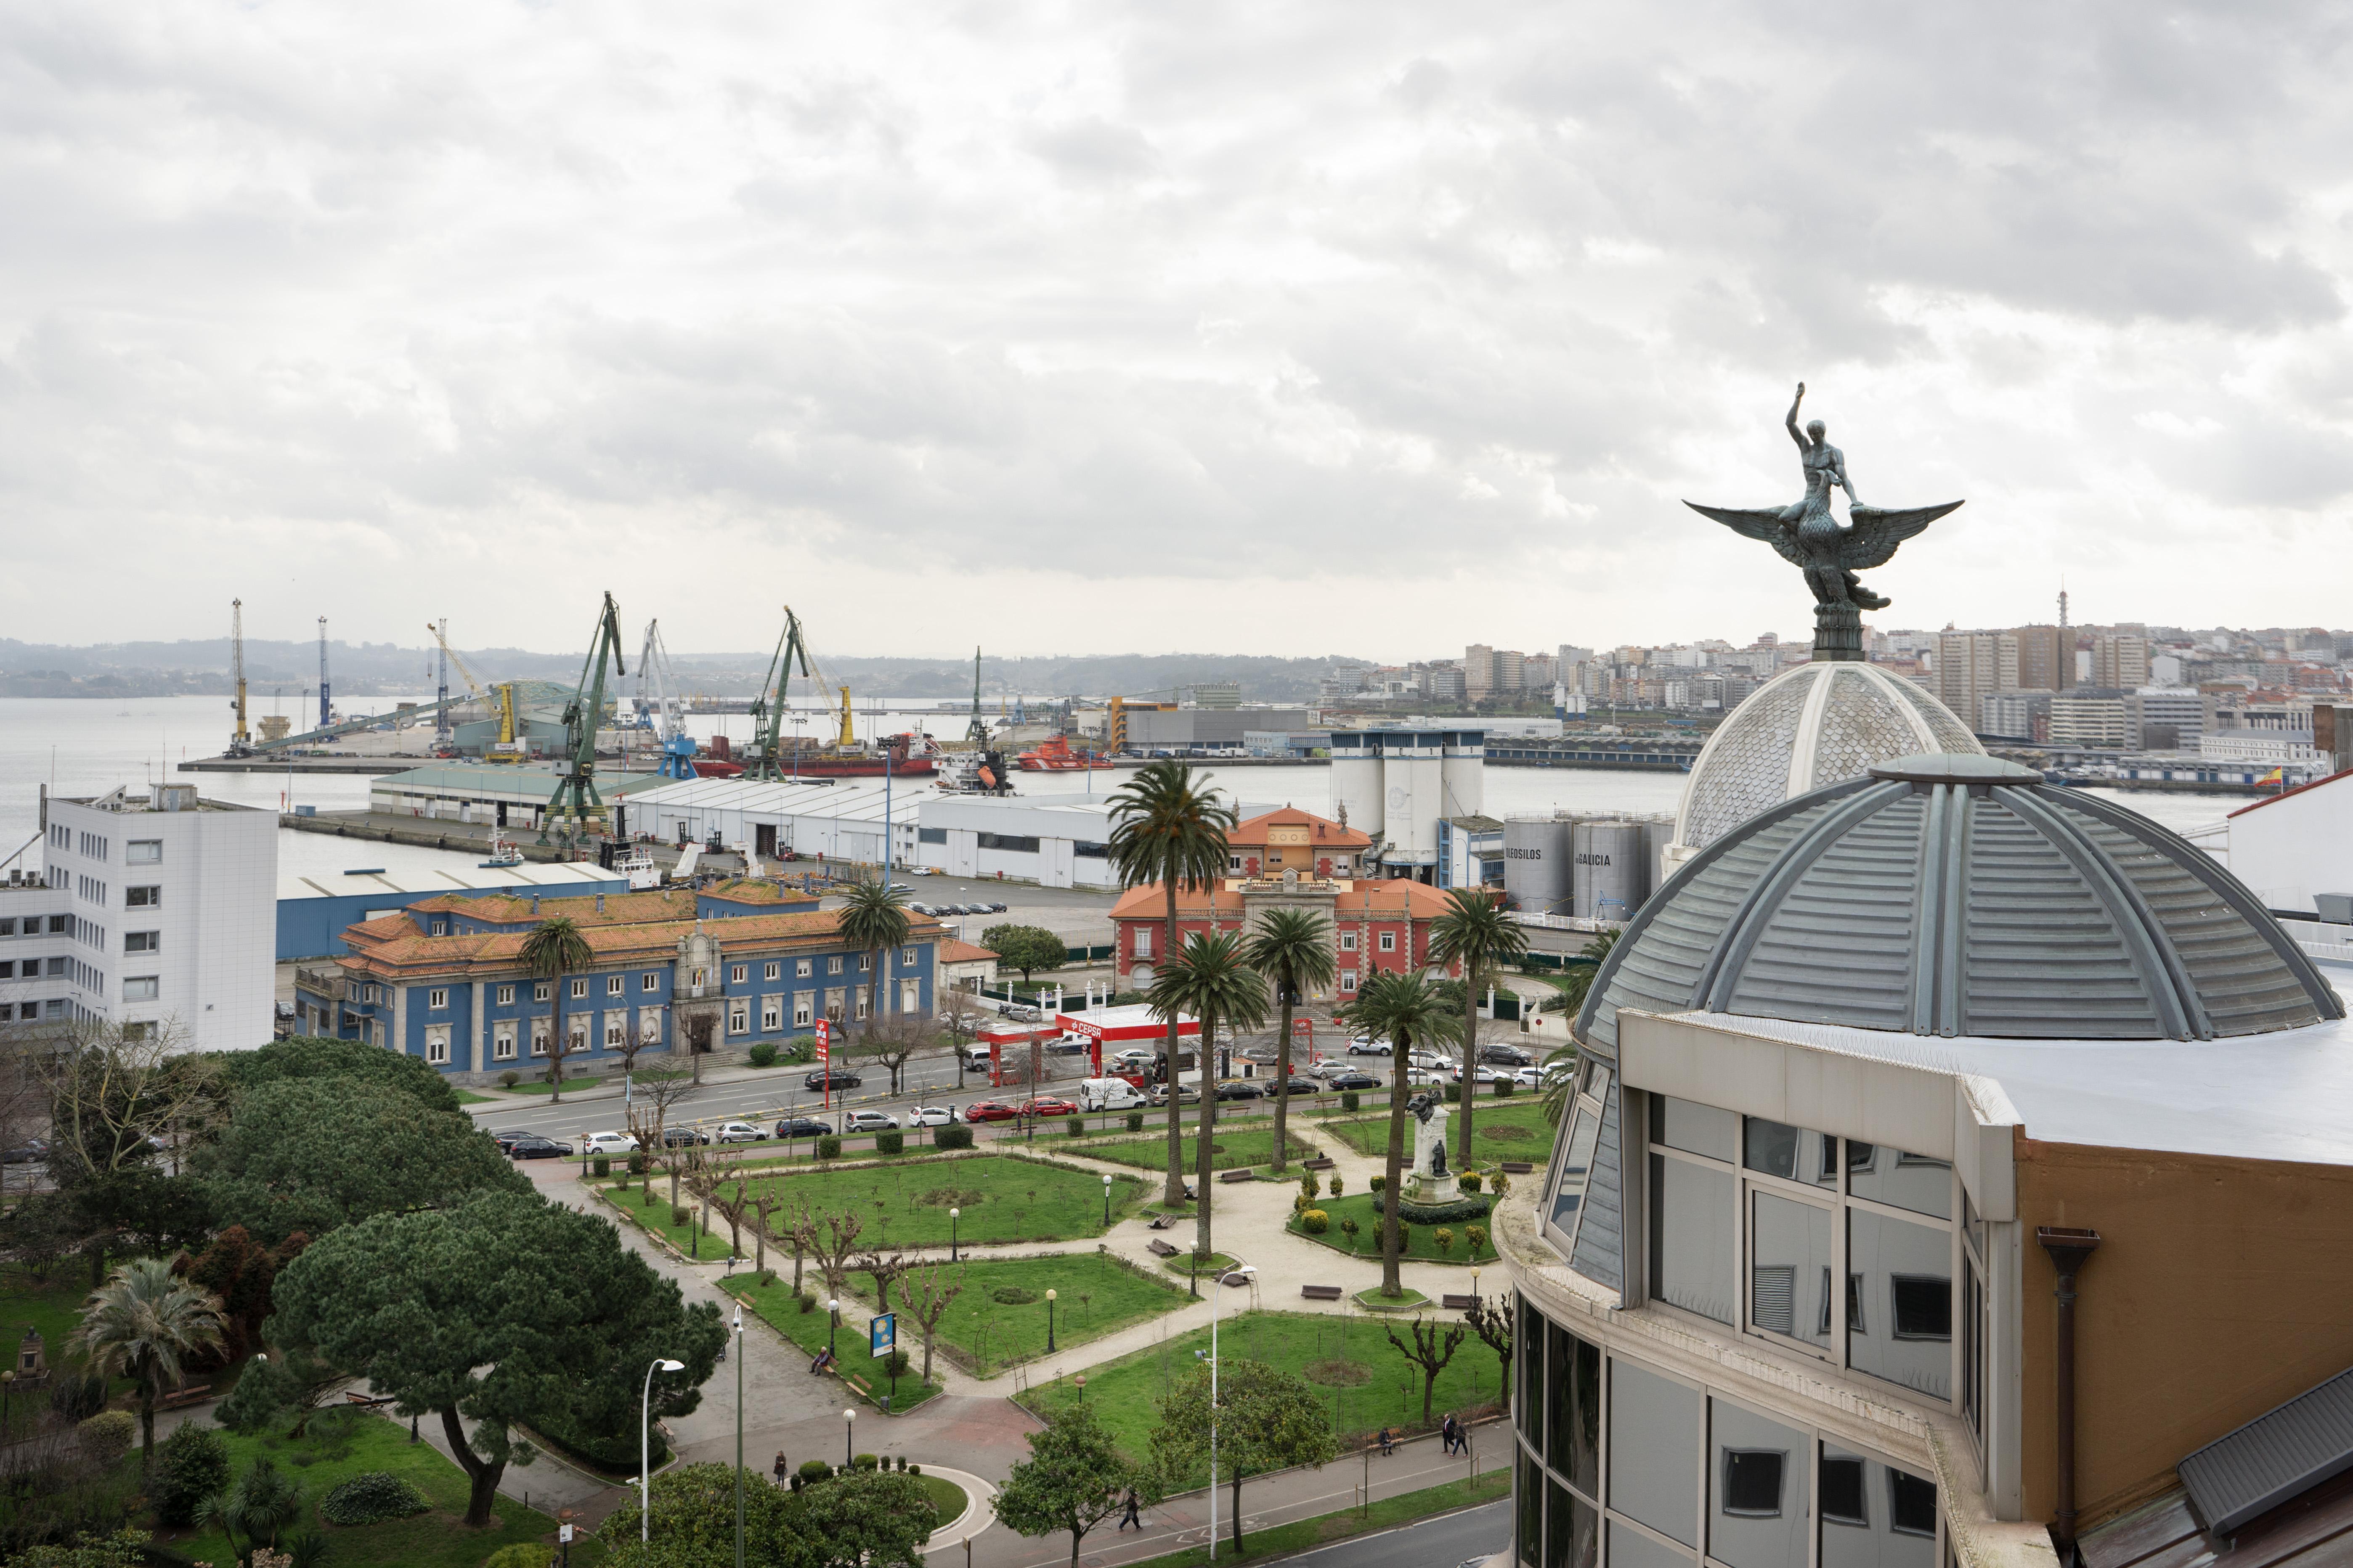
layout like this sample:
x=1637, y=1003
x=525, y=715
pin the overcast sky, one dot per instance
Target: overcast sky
x=1364, y=328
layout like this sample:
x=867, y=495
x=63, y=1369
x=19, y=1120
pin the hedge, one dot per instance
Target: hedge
x=370, y=1497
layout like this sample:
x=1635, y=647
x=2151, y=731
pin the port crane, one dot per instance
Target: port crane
x=660, y=707
x=575, y=802
x=768, y=710
x=500, y=706
x=241, y=743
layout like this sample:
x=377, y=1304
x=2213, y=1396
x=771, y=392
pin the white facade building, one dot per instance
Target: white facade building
x=174, y=912
x=36, y=952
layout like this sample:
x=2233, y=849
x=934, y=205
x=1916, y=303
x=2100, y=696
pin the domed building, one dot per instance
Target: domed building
x=1818, y=723
x=1956, y=1166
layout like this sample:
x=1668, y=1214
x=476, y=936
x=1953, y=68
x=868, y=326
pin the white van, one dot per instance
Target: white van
x=1110, y=1094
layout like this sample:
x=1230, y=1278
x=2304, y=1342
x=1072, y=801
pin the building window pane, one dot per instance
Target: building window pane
x=1902, y=1181
x=1575, y=1168
x=1573, y=1410
x=1630, y=1548
x=1756, y=1489
x=1692, y=1260
x=1972, y=1347
x=1655, y=1450
x=1529, y=1345
x=1789, y=1268
x=801, y=1008
x=1900, y=1311
x=1792, y=1154
x=1572, y=1531
x=1531, y=1524
x=1874, y=1515
x=1693, y=1127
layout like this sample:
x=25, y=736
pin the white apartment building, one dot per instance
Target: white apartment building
x=172, y=902
x=36, y=951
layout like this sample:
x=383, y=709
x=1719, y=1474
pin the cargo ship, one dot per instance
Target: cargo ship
x=902, y=756
x=1055, y=756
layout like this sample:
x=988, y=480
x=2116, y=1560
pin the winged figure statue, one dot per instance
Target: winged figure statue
x=1809, y=537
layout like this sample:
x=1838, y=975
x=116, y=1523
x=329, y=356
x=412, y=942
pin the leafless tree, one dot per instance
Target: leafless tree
x=1494, y=1325
x=928, y=1288
x=764, y=1201
x=802, y=1236
x=110, y=1087
x=649, y=1120
x=893, y=1041
x=833, y=1239
x=732, y=1196
x=1434, y=1344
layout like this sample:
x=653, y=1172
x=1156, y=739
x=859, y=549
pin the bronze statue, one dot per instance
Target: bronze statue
x=1809, y=537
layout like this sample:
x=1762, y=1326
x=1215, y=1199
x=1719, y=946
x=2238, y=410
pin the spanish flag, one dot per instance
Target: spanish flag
x=2275, y=776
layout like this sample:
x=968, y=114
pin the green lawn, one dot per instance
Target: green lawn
x=1513, y=1128
x=53, y=1307
x=778, y=1307
x=436, y=1539
x=656, y=1218
x=466, y=1096
x=1420, y=1240
x=1230, y=1148
x=948, y=1500
x=1348, y=1360
x=1000, y=1198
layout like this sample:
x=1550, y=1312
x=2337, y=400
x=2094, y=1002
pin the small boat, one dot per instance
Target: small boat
x=638, y=867
x=1055, y=756
x=503, y=852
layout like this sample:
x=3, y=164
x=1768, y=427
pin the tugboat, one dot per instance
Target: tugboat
x=503, y=853
x=1055, y=756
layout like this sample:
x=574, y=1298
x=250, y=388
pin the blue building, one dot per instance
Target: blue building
x=718, y=970
x=314, y=909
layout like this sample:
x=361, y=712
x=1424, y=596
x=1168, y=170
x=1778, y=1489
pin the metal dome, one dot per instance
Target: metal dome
x=1960, y=895
x=1814, y=725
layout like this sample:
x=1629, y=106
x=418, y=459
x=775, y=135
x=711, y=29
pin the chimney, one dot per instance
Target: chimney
x=600, y=903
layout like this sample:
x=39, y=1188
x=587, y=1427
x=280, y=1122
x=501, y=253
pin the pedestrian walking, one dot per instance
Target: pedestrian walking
x=784, y=1476
x=1129, y=1513
x=1450, y=1436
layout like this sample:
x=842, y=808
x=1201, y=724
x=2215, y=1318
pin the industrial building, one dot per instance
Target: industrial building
x=512, y=797
x=1151, y=728
x=313, y=910
x=777, y=818
x=1398, y=785
x=1592, y=865
x=174, y=913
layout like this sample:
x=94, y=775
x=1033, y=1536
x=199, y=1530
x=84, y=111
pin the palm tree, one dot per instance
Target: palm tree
x=144, y=1323
x=1293, y=948
x=259, y=1504
x=1167, y=828
x=1406, y=1010
x=1475, y=933
x=875, y=920
x=1575, y=986
x=1213, y=981
x=554, y=949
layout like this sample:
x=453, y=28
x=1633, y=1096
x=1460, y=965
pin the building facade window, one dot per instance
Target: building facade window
x=143, y=942
x=737, y=973
x=836, y=999
x=1348, y=980
x=580, y=988
x=771, y=971
x=1143, y=948
x=542, y=1031
x=436, y=1044
x=906, y=958
x=802, y=1010
x=436, y=998
x=139, y=852
x=911, y=995
x=649, y=981
x=772, y=1014
x=139, y=987
x=1389, y=942
x=865, y=963
x=803, y=968
x=612, y=985
x=146, y=898
x=502, y=1043
x=506, y=995
x=833, y=964
x=1347, y=941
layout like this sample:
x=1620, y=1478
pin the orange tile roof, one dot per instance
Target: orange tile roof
x=955, y=952
x=1251, y=835
x=620, y=909
x=1373, y=899
x=393, y=943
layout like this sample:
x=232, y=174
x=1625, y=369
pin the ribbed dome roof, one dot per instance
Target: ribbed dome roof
x=1814, y=725
x=1960, y=895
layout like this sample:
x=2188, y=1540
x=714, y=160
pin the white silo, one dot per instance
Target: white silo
x=1463, y=772
x=1356, y=783
x=1413, y=767
x=1536, y=864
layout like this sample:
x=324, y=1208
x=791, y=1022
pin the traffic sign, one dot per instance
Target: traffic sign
x=824, y=1037
x=883, y=1335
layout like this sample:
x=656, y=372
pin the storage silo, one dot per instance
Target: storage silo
x=1356, y=783
x=1537, y=873
x=1611, y=869
x=1413, y=766
x=1658, y=832
x=1463, y=774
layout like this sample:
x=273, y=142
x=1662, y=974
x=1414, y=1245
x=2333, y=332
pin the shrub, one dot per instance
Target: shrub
x=1503, y=1088
x=601, y=1165
x=1380, y=1184
x=509, y=1078
x=190, y=1466
x=637, y=1164
x=1348, y=1100
x=1502, y=1183
x=1405, y=1239
x=1445, y=1239
x=108, y=1436
x=1335, y=1184
x=1476, y=1235
x=764, y=1054
x=1349, y=1228
x=1440, y=1214
x=816, y=1469
x=1315, y=1222
x=1309, y=1184
x=370, y=1497
x=647, y=1197
x=522, y=1554
x=866, y=1462
x=1469, y=1181
x=1454, y=1094
x=808, y=1302
x=680, y=1215
x=75, y=1398
x=895, y=1364
x=1299, y=1203
x=1135, y=1121
x=1013, y=1295
x=1076, y=1127
x=956, y=1137
x=828, y=1147
x=890, y=1142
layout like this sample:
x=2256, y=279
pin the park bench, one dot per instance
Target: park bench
x=1243, y=1175
x=195, y=1395
x=1457, y=1303
x=1518, y=1167
x=1320, y=1292
x=1324, y=1162
x=1160, y=1222
x=1159, y=1249
x=1236, y=1280
x=859, y=1383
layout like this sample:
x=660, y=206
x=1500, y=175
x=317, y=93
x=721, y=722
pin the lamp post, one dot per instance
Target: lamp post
x=1106, y=1200
x=1245, y=1270
x=848, y=1425
x=739, y=1435
x=645, y=1447
x=1050, y=1322
x=833, y=1307
x=952, y=1233
x=8, y=1379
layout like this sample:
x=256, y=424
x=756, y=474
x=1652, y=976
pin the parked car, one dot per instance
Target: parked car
x=826, y=1080
x=977, y=1057
x=1331, y=1066
x=684, y=1137
x=1366, y=1046
x=991, y=1110
x=803, y=1127
x=1295, y=1086
x=869, y=1122
x=923, y=909
x=31, y=1152
x=1347, y=1081
x=990, y=909
x=1019, y=1013
x=1529, y=1077
x=1506, y=1056
x=532, y=1146
x=931, y=1116
x=1137, y=1056
x=1187, y=1094
x=739, y=1133
x=606, y=1142
x=1257, y=1053
x=500, y=1138
x=1048, y=1105
x=1240, y=1089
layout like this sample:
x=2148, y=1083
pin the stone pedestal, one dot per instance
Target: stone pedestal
x=1443, y=1189
x=1838, y=634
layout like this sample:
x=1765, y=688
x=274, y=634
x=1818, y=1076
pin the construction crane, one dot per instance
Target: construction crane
x=500, y=707
x=473, y=684
x=767, y=759
x=240, y=741
x=575, y=802
x=660, y=705
x=977, y=732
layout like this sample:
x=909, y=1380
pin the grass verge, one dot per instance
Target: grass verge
x=1230, y=1148
x=1512, y=1129
x=1306, y=1534
x=1000, y=1198
x=775, y=1305
x=659, y=1219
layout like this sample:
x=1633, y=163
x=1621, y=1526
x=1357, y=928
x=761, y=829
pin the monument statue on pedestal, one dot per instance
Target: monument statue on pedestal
x=1809, y=537
x=1438, y=1184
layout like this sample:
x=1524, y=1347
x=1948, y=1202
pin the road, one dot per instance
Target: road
x=1449, y=1540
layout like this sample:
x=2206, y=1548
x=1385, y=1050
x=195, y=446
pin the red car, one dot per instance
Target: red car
x=991, y=1110
x=1047, y=1105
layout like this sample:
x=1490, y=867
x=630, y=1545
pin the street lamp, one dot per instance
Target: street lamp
x=833, y=1306
x=645, y=1447
x=952, y=1229
x=848, y=1425
x=1245, y=1271
x=1106, y=1200
x=1050, y=1322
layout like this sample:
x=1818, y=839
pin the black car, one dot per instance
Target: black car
x=1240, y=1089
x=1296, y=1086
x=532, y=1146
x=31, y=1152
x=804, y=1127
x=1353, y=1080
x=511, y=1134
x=1506, y=1056
x=825, y=1081
x=682, y=1136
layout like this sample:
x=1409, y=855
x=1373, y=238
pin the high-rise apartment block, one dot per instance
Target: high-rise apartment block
x=2046, y=658
x=2120, y=659
x=1510, y=677
x=1478, y=671
x=1443, y=683
x=1974, y=664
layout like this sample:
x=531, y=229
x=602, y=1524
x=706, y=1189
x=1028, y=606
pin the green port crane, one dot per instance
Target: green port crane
x=767, y=761
x=575, y=801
